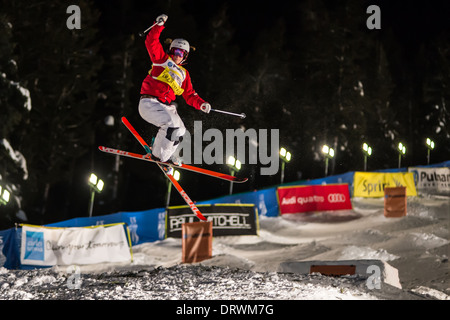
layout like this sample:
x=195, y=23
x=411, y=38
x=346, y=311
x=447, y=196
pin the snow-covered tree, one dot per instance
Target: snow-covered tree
x=59, y=67
x=15, y=105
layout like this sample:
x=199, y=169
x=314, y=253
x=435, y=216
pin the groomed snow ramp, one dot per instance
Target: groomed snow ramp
x=376, y=271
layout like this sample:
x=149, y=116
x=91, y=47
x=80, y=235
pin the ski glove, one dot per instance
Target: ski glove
x=161, y=19
x=205, y=107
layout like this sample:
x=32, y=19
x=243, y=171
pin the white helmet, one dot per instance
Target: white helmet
x=180, y=44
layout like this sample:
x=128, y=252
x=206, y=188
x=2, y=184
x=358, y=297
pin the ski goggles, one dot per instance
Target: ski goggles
x=179, y=52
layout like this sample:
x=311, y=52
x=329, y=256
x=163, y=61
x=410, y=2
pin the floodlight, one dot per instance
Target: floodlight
x=285, y=157
x=96, y=185
x=288, y=156
x=93, y=179
x=100, y=185
x=4, y=195
x=367, y=152
x=231, y=161
x=401, y=152
x=331, y=152
x=430, y=146
x=237, y=165
x=176, y=175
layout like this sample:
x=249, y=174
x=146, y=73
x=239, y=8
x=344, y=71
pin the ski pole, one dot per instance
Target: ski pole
x=240, y=115
x=143, y=33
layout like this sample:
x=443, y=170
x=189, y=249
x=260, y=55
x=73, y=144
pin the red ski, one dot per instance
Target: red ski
x=147, y=157
x=182, y=166
x=166, y=171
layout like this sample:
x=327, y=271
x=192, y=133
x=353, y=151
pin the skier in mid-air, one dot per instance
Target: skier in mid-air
x=167, y=79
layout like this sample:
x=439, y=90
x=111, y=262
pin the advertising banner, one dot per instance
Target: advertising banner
x=46, y=246
x=372, y=184
x=299, y=199
x=431, y=180
x=227, y=219
x=264, y=200
x=144, y=226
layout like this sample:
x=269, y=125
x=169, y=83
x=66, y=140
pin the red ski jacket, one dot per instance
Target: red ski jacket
x=165, y=79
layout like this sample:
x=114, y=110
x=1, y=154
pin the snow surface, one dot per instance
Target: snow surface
x=246, y=267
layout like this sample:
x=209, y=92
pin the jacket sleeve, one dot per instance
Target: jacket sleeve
x=153, y=45
x=190, y=96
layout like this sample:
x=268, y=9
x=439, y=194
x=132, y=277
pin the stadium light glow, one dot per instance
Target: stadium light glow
x=234, y=165
x=367, y=153
x=176, y=175
x=329, y=153
x=4, y=196
x=285, y=156
x=401, y=152
x=96, y=185
x=430, y=146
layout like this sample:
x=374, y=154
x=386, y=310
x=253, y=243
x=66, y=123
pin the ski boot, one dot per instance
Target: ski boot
x=148, y=149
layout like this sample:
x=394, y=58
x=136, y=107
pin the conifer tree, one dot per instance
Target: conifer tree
x=15, y=105
x=59, y=67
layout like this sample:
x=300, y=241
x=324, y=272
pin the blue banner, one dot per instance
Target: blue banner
x=264, y=200
x=144, y=226
x=10, y=248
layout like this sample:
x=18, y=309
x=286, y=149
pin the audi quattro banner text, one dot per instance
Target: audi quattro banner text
x=372, y=184
x=299, y=199
x=227, y=219
x=46, y=246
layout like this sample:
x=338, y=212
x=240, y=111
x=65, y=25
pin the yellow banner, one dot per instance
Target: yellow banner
x=372, y=184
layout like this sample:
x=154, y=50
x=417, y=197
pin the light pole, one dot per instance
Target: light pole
x=329, y=153
x=176, y=176
x=367, y=153
x=430, y=146
x=285, y=157
x=401, y=152
x=4, y=196
x=96, y=185
x=235, y=165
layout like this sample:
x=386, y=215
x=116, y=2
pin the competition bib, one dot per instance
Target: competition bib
x=166, y=77
x=173, y=75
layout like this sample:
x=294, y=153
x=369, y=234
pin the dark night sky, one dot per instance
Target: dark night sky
x=405, y=27
x=409, y=24
x=412, y=23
